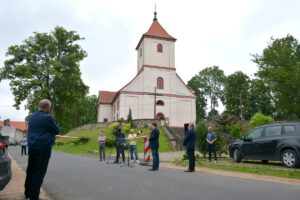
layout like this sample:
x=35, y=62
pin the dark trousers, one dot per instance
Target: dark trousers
x=191, y=157
x=155, y=159
x=102, y=152
x=211, y=149
x=23, y=150
x=36, y=169
x=120, y=150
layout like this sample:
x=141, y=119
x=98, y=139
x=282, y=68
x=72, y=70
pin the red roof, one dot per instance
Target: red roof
x=19, y=125
x=106, y=97
x=156, y=31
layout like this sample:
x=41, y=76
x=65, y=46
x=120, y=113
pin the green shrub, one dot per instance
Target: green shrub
x=234, y=130
x=260, y=119
x=201, y=131
x=110, y=142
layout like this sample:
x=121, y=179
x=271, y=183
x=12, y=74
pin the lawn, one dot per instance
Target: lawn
x=90, y=145
x=254, y=167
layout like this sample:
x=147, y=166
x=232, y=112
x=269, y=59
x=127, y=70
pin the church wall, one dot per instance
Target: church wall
x=104, y=111
x=186, y=109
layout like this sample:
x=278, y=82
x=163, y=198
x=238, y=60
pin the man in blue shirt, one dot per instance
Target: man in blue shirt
x=41, y=136
x=189, y=143
x=211, y=139
x=154, y=145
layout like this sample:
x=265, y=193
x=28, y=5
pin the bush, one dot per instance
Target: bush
x=260, y=119
x=110, y=142
x=201, y=131
x=234, y=130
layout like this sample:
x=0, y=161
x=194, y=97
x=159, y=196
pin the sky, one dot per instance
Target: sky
x=214, y=32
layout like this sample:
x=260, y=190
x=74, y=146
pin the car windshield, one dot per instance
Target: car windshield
x=255, y=134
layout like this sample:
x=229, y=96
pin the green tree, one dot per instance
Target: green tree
x=260, y=98
x=129, y=117
x=46, y=65
x=211, y=81
x=237, y=94
x=201, y=102
x=279, y=67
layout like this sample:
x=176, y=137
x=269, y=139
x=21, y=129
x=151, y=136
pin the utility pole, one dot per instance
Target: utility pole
x=154, y=102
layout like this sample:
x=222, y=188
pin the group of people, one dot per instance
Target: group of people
x=42, y=131
x=121, y=144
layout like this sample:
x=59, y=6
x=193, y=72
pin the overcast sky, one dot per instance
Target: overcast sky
x=214, y=32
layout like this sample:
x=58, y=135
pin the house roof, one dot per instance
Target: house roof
x=17, y=124
x=106, y=97
x=156, y=31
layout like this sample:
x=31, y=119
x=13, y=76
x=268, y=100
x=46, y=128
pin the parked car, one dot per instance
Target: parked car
x=5, y=162
x=270, y=142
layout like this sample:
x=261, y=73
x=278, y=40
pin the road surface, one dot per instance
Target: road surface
x=72, y=177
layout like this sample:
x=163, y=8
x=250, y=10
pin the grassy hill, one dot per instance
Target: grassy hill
x=87, y=142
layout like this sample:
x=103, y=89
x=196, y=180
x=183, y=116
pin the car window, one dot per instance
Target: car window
x=255, y=134
x=290, y=129
x=272, y=131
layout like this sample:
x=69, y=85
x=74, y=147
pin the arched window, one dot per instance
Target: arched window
x=160, y=83
x=159, y=48
x=160, y=103
x=160, y=116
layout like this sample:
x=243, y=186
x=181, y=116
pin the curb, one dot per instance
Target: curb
x=270, y=179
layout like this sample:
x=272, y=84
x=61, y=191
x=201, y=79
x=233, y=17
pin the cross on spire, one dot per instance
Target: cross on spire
x=155, y=13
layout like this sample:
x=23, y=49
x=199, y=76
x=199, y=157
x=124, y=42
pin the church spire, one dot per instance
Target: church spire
x=155, y=14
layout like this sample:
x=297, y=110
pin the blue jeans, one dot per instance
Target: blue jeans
x=155, y=156
x=133, y=150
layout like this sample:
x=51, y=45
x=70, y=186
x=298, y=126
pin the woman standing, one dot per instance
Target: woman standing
x=101, y=140
x=23, y=144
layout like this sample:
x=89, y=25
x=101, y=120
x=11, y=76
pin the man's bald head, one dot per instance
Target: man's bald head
x=45, y=105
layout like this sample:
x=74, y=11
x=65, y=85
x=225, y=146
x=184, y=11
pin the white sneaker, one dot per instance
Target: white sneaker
x=131, y=161
x=137, y=161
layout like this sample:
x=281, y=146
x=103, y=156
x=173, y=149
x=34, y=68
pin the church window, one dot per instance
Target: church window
x=141, y=52
x=160, y=83
x=159, y=48
x=160, y=103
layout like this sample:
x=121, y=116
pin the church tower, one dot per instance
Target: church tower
x=156, y=91
x=156, y=47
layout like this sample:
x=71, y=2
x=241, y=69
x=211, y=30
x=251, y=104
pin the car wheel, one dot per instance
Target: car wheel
x=289, y=158
x=264, y=161
x=237, y=155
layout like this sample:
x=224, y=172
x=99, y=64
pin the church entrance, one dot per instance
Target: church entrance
x=160, y=116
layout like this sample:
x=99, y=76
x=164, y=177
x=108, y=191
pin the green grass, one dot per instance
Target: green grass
x=253, y=167
x=73, y=146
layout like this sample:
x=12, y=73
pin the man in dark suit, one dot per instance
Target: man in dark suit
x=189, y=143
x=154, y=145
x=41, y=136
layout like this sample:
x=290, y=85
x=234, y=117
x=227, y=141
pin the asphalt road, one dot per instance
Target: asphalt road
x=72, y=177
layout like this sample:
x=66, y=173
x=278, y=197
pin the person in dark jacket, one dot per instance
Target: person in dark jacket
x=154, y=146
x=41, y=136
x=189, y=143
x=120, y=144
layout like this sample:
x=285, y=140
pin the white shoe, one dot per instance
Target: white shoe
x=131, y=161
x=137, y=161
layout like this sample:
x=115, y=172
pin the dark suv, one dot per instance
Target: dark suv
x=5, y=162
x=270, y=142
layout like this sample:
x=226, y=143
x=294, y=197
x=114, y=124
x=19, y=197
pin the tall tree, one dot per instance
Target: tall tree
x=237, y=94
x=211, y=81
x=46, y=65
x=260, y=98
x=279, y=67
x=201, y=102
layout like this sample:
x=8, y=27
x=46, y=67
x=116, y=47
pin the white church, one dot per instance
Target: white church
x=156, y=91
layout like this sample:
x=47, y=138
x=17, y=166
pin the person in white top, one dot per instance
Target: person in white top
x=132, y=146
